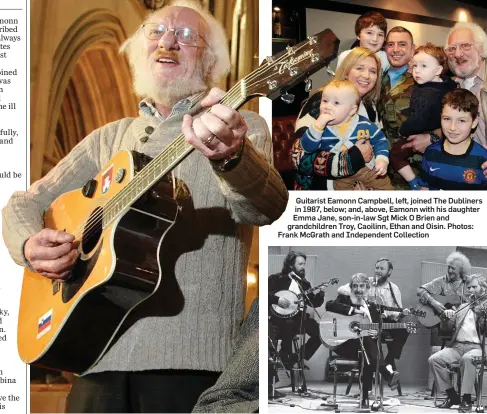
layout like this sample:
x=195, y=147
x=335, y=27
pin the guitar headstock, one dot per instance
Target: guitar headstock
x=411, y=327
x=417, y=312
x=334, y=281
x=280, y=72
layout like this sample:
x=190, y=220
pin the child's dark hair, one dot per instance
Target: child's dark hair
x=371, y=18
x=462, y=100
x=435, y=51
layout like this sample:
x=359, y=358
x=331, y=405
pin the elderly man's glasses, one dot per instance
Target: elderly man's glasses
x=464, y=47
x=184, y=36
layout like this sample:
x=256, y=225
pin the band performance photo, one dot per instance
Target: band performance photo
x=360, y=329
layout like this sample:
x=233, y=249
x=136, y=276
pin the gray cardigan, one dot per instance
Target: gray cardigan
x=204, y=256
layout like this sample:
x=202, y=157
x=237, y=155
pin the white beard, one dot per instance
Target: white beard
x=357, y=301
x=166, y=93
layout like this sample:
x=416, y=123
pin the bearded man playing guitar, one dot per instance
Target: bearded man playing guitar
x=174, y=345
x=387, y=293
x=356, y=304
x=293, y=278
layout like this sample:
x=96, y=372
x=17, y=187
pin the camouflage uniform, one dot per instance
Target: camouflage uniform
x=393, y=108
x=394, y=103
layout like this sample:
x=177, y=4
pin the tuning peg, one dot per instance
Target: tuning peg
x=308, y=84
x=269, y=60
x=312, y=40
x=287, y=98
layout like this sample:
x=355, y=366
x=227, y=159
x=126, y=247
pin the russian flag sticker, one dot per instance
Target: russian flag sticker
x=44, y=324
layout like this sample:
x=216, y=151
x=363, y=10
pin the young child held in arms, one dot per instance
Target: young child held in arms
x=455, y=163
x=339, y=127
x=370, y=29
x=428, y=64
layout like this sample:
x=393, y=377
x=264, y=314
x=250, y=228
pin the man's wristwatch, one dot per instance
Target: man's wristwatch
x=230, y=162
x=434, y=138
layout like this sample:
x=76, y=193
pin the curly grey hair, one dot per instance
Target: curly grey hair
x=360, y=278
x=462, y=260
x=478, y=34
x=216, y=59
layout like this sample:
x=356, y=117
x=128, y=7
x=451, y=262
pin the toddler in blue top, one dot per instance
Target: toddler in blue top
x=339, y=127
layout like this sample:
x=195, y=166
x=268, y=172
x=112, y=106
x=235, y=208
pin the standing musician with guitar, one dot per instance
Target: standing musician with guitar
x=465, y=344
x=293, y=278
x=387, y=293
x=173, y=346
x=356, y=304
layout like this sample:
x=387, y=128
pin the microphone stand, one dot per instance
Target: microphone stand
x=303, y=388
x=377, y=404
x=480, y=407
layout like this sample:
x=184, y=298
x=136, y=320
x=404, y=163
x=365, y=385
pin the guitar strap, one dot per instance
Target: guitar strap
x=393, y=295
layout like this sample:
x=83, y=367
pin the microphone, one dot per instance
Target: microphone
x=295, y=275
x=356, y=329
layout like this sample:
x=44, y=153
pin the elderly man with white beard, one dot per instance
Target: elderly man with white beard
x=174, y=345
x=466, y=49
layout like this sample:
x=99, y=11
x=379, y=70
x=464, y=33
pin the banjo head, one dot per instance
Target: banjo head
x=293, y=308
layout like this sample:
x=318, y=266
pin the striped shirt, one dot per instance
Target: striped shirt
x=331, y=140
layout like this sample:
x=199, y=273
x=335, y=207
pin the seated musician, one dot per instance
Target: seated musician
x=386, y=293
x=464, y=345
x=356, y=304
x=450, y=284
x=293, y=278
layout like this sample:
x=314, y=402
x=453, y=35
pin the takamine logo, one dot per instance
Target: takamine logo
x=469, y=176
x=292, y=61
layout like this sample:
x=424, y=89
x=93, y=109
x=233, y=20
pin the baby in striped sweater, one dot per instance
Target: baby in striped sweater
x=339, y=127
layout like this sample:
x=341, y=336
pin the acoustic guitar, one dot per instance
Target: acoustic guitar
x=336, y=328
x=295, y=300
x=119, y=219
x=431, y=318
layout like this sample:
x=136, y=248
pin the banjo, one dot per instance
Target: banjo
x=295, y=300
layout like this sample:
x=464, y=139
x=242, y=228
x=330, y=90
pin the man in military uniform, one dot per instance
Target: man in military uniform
x=397, y=85
x=397, y=82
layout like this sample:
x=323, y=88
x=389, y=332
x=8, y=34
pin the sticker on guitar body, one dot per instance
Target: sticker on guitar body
x=106, y=179
x=44, y=324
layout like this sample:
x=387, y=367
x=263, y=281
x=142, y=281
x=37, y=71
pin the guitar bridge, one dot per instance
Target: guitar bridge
x=56, y=286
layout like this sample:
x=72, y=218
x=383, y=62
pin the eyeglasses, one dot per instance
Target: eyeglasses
x=464, y=47
x=184, y=36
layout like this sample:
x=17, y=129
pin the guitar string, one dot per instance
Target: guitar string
x=92, y=224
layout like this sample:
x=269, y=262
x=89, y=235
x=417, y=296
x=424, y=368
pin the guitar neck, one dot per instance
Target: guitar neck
x=387, y=308
x=385, y=325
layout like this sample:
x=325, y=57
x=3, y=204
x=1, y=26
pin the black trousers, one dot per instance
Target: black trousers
x=155, y=391
x=286, y=329
x=394, y=347
x=349, y=350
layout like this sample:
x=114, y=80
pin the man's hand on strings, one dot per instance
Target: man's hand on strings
x=283, y=303
x=51, y=253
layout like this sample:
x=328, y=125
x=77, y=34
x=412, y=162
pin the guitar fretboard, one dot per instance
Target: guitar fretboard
x=387, y=325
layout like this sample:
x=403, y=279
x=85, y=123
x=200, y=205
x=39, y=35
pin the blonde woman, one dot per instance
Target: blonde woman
x=362, y=68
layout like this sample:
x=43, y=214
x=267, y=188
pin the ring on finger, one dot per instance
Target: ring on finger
x=209, y=140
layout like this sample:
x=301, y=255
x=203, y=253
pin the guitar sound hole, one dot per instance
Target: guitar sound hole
x=92, y=231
